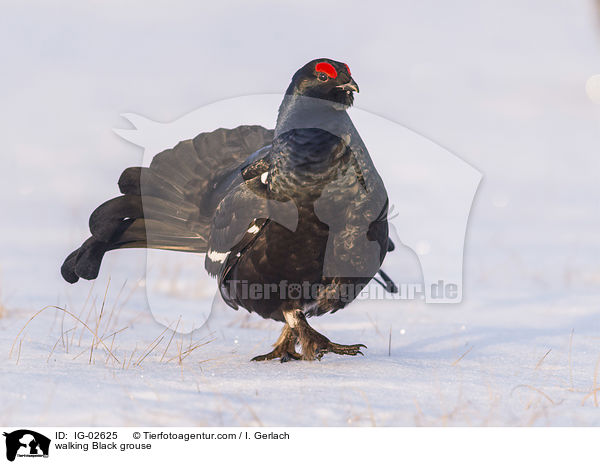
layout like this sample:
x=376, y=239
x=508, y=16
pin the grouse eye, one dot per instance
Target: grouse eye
x=323, y=77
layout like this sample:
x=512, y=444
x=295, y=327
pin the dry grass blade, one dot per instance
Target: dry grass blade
x=369, y=408
x=2, y=308
x=170, y=340
x=419, y=418
x=19, y=353
x=116, y=332
x=591, y=393
x=102, y=339
x=184, y=354
x=531, y=387
x=375, y=326
x=139, y=362
x=463, y=355
x=60, y=339
x=114, y=306
x=151, y=346
x=537, y=366
x=254, y=415
x=595, y=388
x=570, y=358
x=85, y=305
x=99, y=320
x=131, y=357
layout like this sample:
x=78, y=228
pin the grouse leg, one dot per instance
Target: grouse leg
x=314, y=345
x=285, y=347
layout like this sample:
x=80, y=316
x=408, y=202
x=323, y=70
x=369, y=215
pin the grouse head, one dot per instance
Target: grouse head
x=324, y=79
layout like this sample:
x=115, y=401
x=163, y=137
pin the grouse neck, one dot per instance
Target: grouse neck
x=300, y=112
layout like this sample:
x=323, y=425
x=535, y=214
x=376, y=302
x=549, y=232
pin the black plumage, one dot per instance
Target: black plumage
x=293, y=221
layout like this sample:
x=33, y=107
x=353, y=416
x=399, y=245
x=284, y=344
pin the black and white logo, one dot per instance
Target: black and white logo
x=26, y=443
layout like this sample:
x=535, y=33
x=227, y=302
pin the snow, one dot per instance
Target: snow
x=504, y=87
x=484, y=364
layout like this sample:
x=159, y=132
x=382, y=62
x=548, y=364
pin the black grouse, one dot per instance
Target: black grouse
x=293, y=221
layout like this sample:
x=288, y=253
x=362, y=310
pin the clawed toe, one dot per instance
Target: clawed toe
x=284, y=356
x=352, y=350
x=291, y=357
x=348, y=350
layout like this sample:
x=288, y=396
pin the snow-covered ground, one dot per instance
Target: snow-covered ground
x=487, y=363
x=502, y=86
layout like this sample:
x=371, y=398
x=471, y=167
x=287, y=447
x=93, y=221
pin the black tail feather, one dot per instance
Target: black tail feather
x=161, y=205
x=89, y=258
x=84, y=262
x=109, y=217
x=67, y=270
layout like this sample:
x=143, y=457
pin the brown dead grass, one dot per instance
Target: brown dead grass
x=95, y=332
x=3, y=310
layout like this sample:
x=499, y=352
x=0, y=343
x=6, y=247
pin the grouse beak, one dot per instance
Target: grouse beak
x=351, y=86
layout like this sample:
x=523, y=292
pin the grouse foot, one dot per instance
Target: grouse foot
x=314, y=345
x=285, y=347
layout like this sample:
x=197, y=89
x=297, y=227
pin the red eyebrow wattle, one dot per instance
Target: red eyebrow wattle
x=326, y=68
